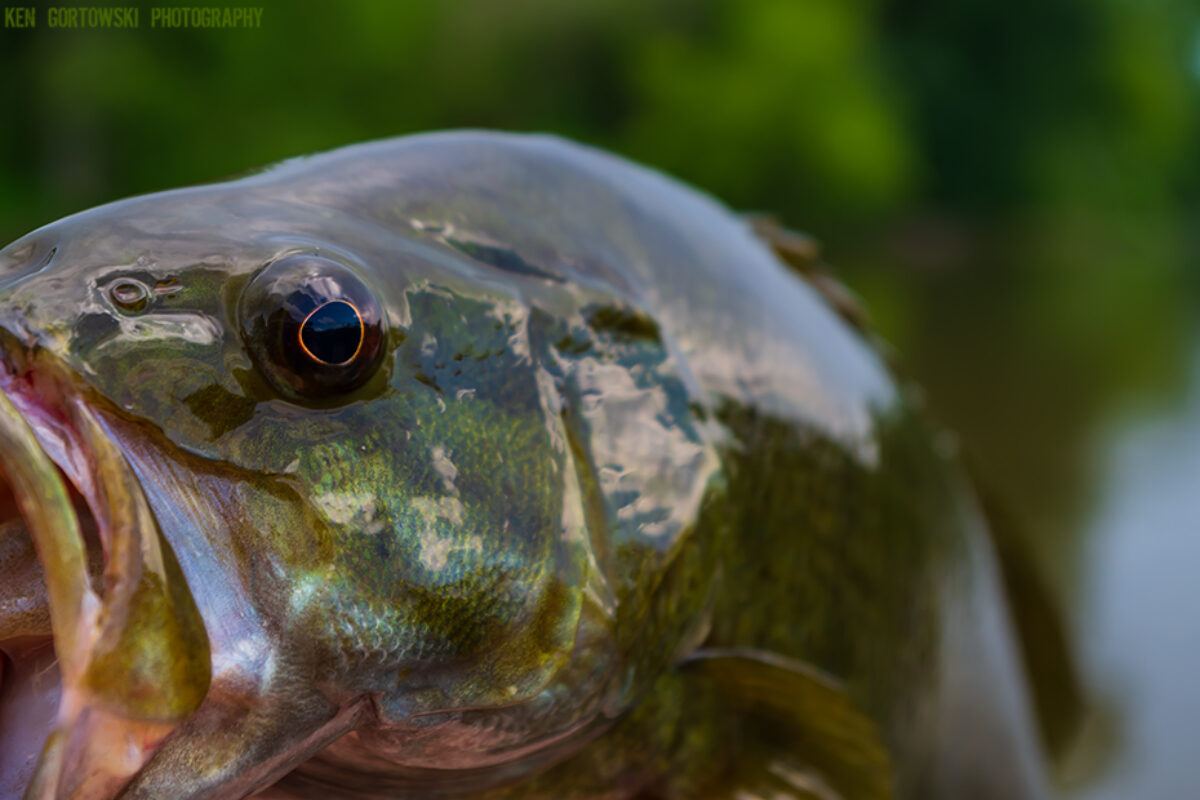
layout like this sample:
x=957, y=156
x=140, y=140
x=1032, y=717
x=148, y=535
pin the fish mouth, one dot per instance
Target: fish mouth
x=129, y=645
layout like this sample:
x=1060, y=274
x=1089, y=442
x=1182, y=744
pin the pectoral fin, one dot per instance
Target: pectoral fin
x=1059, y=698
x=792, y=731
x=726, y=725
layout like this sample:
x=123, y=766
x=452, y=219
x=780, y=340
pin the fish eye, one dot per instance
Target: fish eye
x=312, y=326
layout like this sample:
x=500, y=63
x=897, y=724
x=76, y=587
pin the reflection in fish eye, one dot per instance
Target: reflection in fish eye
x=333, y=333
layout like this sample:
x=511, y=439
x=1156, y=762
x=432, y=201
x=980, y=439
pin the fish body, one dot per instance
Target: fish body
x=477, y=465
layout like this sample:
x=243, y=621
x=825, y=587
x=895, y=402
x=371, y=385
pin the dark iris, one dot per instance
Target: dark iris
x=313, y=327
x=333, y=333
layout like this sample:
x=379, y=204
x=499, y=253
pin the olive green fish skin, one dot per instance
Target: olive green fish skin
x=609, y=428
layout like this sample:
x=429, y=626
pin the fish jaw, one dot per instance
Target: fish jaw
x=130, y=646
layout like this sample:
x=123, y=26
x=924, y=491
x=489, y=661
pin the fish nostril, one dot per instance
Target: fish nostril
x=129, y=296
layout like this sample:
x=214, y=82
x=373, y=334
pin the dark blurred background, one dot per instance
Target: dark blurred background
x=1010, y=185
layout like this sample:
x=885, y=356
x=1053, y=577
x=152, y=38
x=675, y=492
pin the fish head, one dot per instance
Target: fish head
x=349, y=444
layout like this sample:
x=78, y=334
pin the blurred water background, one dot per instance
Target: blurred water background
x=1011, y=185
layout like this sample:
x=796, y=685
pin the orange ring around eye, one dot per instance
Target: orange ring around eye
x=362, y=334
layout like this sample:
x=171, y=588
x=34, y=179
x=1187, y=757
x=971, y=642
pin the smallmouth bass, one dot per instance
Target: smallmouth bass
x=477, y=465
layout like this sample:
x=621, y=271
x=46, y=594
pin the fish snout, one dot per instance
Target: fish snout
x=24, y=258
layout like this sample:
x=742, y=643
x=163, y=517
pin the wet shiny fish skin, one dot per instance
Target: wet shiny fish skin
x=610, y=433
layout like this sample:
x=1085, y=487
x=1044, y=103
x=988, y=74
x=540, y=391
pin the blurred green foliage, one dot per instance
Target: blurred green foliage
x=837, y=113
x=1009, y=182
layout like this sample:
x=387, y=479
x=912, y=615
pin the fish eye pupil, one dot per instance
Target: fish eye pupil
x=332, y=333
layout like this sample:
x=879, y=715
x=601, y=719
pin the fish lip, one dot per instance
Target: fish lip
x=31, y=428
x=117, y=702
x=39, y=398
x=67, y=421
x=43, y=399
x=38, y=411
